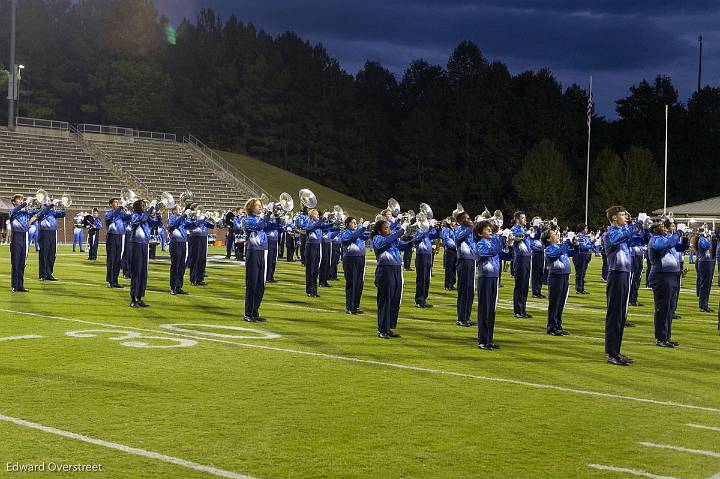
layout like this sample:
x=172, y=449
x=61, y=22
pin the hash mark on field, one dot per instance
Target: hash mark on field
x=700, y=426
x=27, y=336
x=700, y=452
x=126, y=449
x=634, y=472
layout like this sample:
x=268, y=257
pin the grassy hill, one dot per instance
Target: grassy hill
x=276, y=180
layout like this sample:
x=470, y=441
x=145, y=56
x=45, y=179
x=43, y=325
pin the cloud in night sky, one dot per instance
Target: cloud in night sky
x=618, y=42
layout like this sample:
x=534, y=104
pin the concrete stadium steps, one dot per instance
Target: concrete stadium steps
x=170, y=166
x=56, y=164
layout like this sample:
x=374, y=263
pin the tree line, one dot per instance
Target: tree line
x=468, y=131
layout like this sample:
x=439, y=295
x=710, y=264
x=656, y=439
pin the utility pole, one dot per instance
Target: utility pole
x=13, y=74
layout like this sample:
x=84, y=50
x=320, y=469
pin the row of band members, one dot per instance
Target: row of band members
x=478, y=249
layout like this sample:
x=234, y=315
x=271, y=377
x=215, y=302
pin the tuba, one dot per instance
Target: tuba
x=307, y=198
x=284, y=205
x=458, y=209
x=127, y=198
x=394, y=207
x=166, y=201
x=498, y=218
x=187, y=197
x=426, y=210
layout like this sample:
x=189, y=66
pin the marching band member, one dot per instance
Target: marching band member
x=197, y=250
x=155, y=236
x=302, y=220
x=33, y=234
x=281, y=242
x=705, y=264
x=94, y=237
x=161, y=233
x=20, y=219
x=275, y=225
x=449, y=253
x=78, y=231
x=557, y=255
x=290, y=235
x=116, y=220
x=240, y=237
x=257, y=227
x=581, y=258
x=326, y=254
x=537, y=262
x=141, y=221
x=353, y=258
x=465, y=245
x=619, y=277
x=664, y=279
x=679, y=253
x=521, y=252
x=229, y=234
x=313, y=250
x=487, y=250
x=336, y=253
x=388, y=276
x=127, y=250
x=423, y=265
x=178, y=224
x=47, y=239
x=637, y=250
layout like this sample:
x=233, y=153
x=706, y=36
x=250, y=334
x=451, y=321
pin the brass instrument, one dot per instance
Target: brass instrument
x=187, y=198
x=284, y=205
x=127, y=198
x=307, y=198
x=426, y=210
x=458, y=209
x=394, y=207
x=63, y=202
x=38, y=199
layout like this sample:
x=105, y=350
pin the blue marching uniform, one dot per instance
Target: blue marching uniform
x=78, y=233
x=487, y=252
x=313, y=253
x=33, y=235
x=239, y=237
x=465, y=244
x=303, y=220
x=637, y=251
x=94, y=239
x=256, y=263
x=326, y=256
x=521, y=256
x=273, y=235
x=19, y=242
x=353, y=260
x=336, y=242
x=290, y=235
x=705, y=264
x=581, y=261
x=603, y=257
x=47, y=240
x=558, y=261
x=127, y=251
x=537, y=265
x=197, y=251
x=178, y=226
x=140, y=224
x=664, y=281
x=449, y=257
x=116, y=221
x=388, y=279
x=619, y=277
x=423, y=265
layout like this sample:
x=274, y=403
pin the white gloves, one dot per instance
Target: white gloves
x=642, y=217
x=681, y=227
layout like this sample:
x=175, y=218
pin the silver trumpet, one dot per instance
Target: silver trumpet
x=63, y=202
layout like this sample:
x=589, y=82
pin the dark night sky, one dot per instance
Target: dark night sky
x=618, y=42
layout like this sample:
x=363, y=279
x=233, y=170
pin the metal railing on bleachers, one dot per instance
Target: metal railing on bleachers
x=122, y=131
x=40, y=123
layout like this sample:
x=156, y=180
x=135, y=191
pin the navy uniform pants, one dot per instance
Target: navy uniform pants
x=290, y=246
x=407, y=258
x=281, y=244
x=18, y=258
x=354, y=271
x=450, y=264
x=618, y=294
x=197, y=257
x=255, y=271
x=637, y=266
x=303, y=247
x=113, y=252
x=465, y=289
x=705, y=271
x=325, y=262
x=604, y=270
x=178, y=259
x=272, y=256
x=487, y=288
x=581, y=262
x=229, y=243
x=389, y=284
x=93, y=242
x=313, y=254
x=558, y=289
x=335, y=260
x=537, y=270
x=127, y=255
x=521, y=272
x=139, y=270
x=47, y=239
x=423, y=267
x=664, y=286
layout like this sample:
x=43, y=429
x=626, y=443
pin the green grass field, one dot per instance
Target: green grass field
x=326, y=398
x=276, y=180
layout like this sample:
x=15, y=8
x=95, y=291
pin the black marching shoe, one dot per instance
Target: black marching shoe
x=626, y=359
x=674, y=343
x=142, y=303
x=201, y=283
x=617, y=361
x=518, y=315
x=249, y=319
x=358, y=311
x=51, y=278
x=707, y=310
x=628, y=324
x=527, y=315
x=486, y=347
x=664, y=343
x=117, y=286
x=676, y=316
x=271, y=280
x=20, y=290
x=494, y=346
x=173, y=292
x=347, y=311
x=181, y=291
x=584, y=292
x=260, y=319
x=383, y=335
x=393, y=334
x=464, y=324
x=555, y=332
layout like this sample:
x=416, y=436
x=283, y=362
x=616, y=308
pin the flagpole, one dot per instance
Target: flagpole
x=587, y=168
x=666, y=160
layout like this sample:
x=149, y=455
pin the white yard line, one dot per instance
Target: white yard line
x=624, y=470
x=700, y=426
x=700, y=452
x=126, y=449
x=406, y=367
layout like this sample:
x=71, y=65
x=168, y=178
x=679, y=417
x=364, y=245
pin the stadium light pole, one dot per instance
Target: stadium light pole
x=11, y=79
x=666, y=159
x=18, y=76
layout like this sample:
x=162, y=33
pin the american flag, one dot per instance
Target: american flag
x=589, y=108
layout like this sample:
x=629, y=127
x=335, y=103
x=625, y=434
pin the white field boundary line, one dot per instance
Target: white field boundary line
x=26, y=336
x=700, y=426
x=699, y=452
x=126, y=449
x=634, y=472
x=406, y=367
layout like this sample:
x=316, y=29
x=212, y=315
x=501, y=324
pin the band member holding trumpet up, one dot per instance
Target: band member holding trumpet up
x=20, y=218
x=198, y=247
x=705, y=265
x=537, y=263
x=465, y=244
x=664, y=279
x=388, y=276
x=141, y=221
x=257, y=223
x=94, y=226
x=487, y=251
x=521, y=254
x=582, y=257
x=313, y=250
x=637, y=251
x=47, y=239
x=78, y=231
x=557, y=255
x=116, y=220
x=449, y=253
x=353, y=258
x=423, y=260
x=178, y=224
